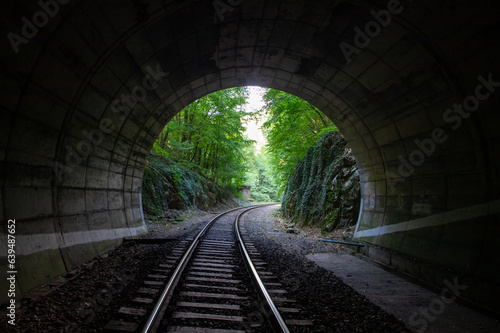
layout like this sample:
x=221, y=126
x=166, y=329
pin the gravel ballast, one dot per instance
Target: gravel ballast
x=325, y=299
x=87, y=298
x=91, y=295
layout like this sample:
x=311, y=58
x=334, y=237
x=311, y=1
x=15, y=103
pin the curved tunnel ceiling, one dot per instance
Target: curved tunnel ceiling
x=103, y=78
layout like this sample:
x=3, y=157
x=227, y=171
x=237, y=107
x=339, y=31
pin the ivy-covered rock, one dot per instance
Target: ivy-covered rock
x=169, y=185
x=325, y=189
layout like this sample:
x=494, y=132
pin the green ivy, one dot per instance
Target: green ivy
x=324, y=189
x=170, y=185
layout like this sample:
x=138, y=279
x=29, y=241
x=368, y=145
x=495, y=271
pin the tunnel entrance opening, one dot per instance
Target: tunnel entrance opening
x=205, y=155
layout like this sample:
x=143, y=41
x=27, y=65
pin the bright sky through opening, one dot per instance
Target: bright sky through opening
x=255, y=102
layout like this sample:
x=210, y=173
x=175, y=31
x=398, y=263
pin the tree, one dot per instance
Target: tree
x=293, y=125
x=208, y=136
x=260, y=177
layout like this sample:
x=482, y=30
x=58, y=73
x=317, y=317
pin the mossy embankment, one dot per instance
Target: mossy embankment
x=324, y=190
x=168, y=185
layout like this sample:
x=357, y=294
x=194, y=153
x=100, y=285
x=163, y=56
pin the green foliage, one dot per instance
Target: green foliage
x=204, y=145
x=260, y=178
x=170, y=185
x=159, y=151
x=325, y=188
x=208, y=136
x=260, y=197
x=293, y=125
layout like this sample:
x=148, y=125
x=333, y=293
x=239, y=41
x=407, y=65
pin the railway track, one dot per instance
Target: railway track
x=213, y=283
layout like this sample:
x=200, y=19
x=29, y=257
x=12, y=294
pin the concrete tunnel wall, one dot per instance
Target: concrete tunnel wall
x=67, y=93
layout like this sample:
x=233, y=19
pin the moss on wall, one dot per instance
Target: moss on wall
x=324, y=190
x=169, y=185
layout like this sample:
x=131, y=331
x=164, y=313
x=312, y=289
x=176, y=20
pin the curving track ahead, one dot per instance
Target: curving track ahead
x=210, y=289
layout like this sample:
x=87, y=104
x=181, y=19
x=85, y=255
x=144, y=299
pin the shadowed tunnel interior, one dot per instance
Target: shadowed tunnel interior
x=86, y=86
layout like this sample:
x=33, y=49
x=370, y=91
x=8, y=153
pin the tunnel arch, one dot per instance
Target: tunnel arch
x=61, y=87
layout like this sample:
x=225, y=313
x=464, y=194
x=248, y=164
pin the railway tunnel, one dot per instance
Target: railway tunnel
x=413, y=86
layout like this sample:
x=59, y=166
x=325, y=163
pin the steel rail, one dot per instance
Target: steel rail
x=272, y=312
x=172, y=282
